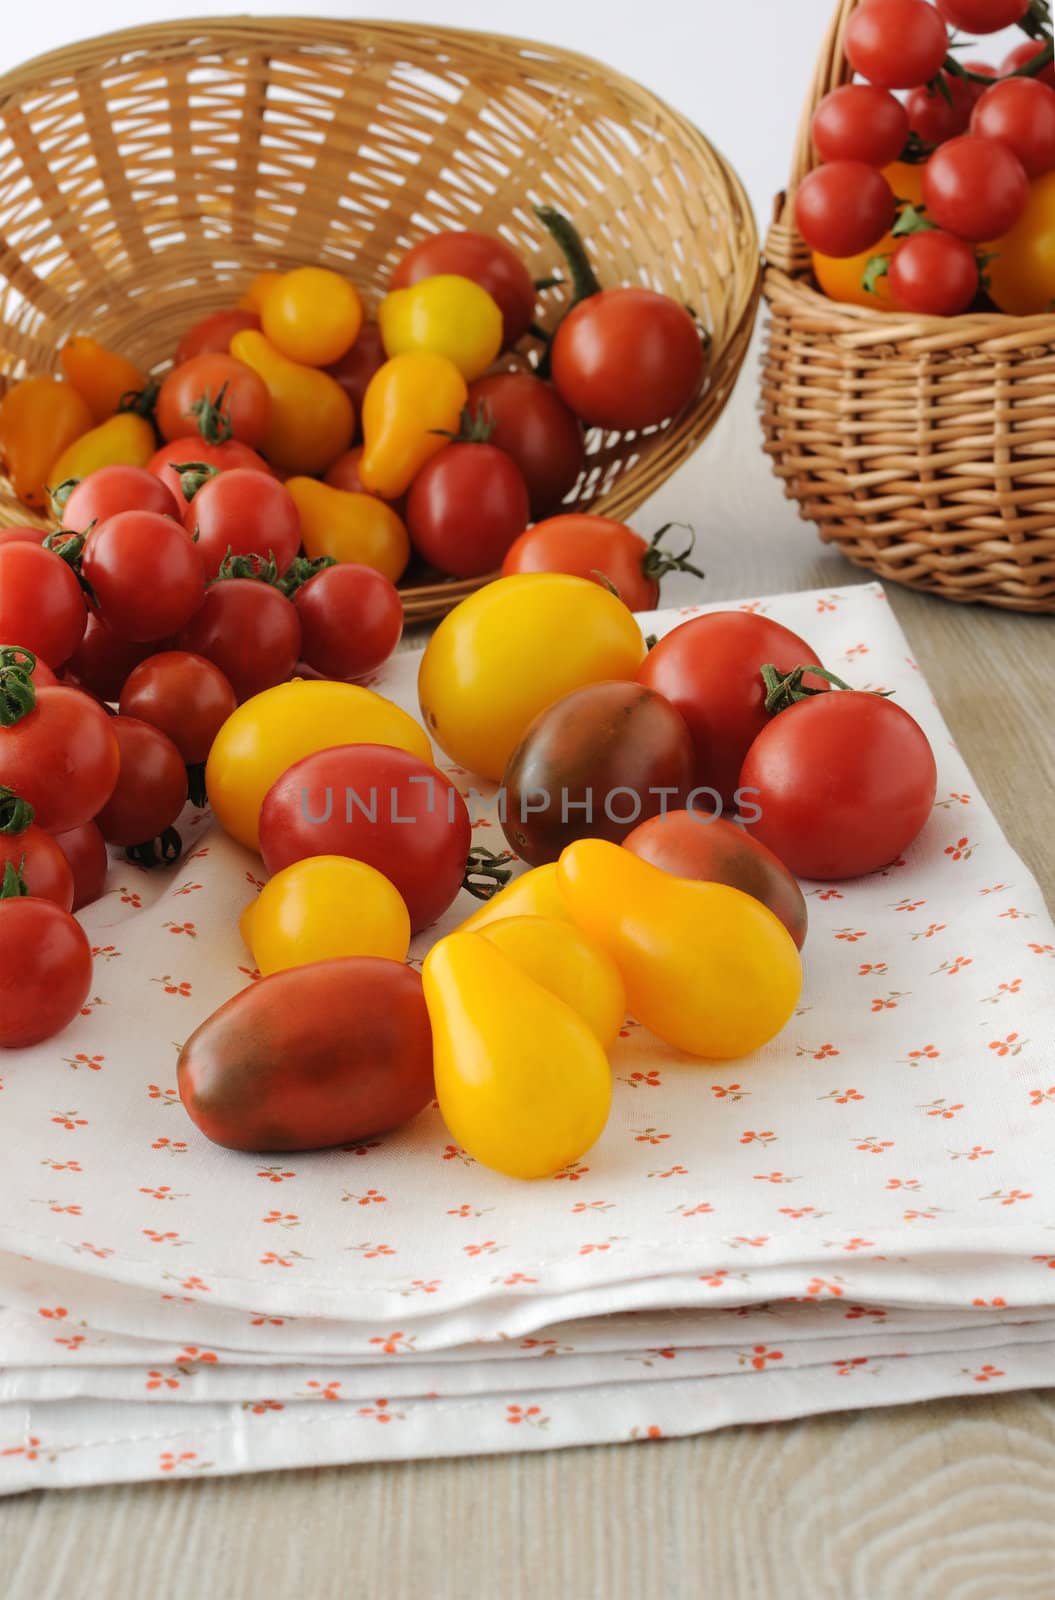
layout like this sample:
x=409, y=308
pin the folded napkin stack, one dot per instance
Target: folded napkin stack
x=859, y=1214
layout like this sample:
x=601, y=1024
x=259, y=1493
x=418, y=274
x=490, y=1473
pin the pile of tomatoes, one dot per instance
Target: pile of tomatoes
x=621, y=769
x=939, y=199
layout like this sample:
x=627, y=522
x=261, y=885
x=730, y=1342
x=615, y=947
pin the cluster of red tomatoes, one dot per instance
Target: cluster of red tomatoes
x=933, y=201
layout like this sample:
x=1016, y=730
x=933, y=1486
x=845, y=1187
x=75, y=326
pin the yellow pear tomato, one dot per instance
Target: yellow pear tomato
x=312, y=315
x=411, y=404
x=126, y=440
x=312, y=419
x=350, y=527
x=513, y=648
x=448, y=315
x=264, y=737
x=522, y=1081
x=533, y=894
x=323, y=908
x=567, y=963
x=709, y=969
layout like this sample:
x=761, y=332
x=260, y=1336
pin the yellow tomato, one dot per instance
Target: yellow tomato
x=571, y=966
x=841, y=278
x=126, y=440
x=101, y=376
x=522, y=1082
x=709, y=969
x=267, y=734
x=323, y=908
x=312, y=419
x=312, y=315
x=410, y=405
x=513, y=648
x=1022, y=269
x=350, y=527
x=39, y=417
x=533, y=894
x=448, y=315
x=258, y=291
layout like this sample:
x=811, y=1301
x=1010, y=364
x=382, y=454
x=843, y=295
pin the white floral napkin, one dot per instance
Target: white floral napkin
x=883, y=1167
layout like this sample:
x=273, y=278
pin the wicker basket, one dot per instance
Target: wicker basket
x=923, y=446
x=147, y=176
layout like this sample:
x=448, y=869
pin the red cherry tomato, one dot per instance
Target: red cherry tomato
x=108, y=490
x=61, y=757
x=1020, y=57
x=249, y=630
x=975, y=187
x=596, y=548
x=627, y=359
x=193, y=448
x=184, y=695
x=896, y=43
x=213, y=334
x=465, y=508
x=103, y=659
x=41, y=602
x=243, y=513
x=85, y=850
x=844, y=208
x=859, y=122
x=351, y=619
x=214, y=392
x=534, y=426
x=710, y=669
x=488, y=261
x=22, y=535
x=936, y=114
x=844, y=781
x=45, y=971
x=32, y=853
x=982, y=16
x=151, y=789
x=1021, y=113
x=934, y=274
x=689, y=845
x=146, y=574
x=357, y=366
x=378, y=805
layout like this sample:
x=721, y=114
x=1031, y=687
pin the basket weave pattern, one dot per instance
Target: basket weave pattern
x=923, y=446
x=147, y=176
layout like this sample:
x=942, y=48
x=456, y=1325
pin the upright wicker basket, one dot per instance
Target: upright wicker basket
x=146, y=176
x=923, y=446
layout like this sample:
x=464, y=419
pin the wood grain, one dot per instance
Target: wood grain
x=945, y=1501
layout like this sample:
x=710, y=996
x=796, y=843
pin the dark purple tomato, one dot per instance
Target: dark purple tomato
x=594, y=765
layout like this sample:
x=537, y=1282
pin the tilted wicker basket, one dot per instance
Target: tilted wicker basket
x=923, y=446
x=147, y=176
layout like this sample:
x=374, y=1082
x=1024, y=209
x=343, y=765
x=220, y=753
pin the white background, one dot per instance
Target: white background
x=741, y=70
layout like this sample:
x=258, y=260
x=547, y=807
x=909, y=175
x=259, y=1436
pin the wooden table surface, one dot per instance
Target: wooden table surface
x=944, y=1501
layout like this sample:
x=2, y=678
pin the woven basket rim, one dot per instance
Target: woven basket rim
x=889, y=327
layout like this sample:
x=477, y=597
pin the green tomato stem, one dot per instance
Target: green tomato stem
x=486, y=872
